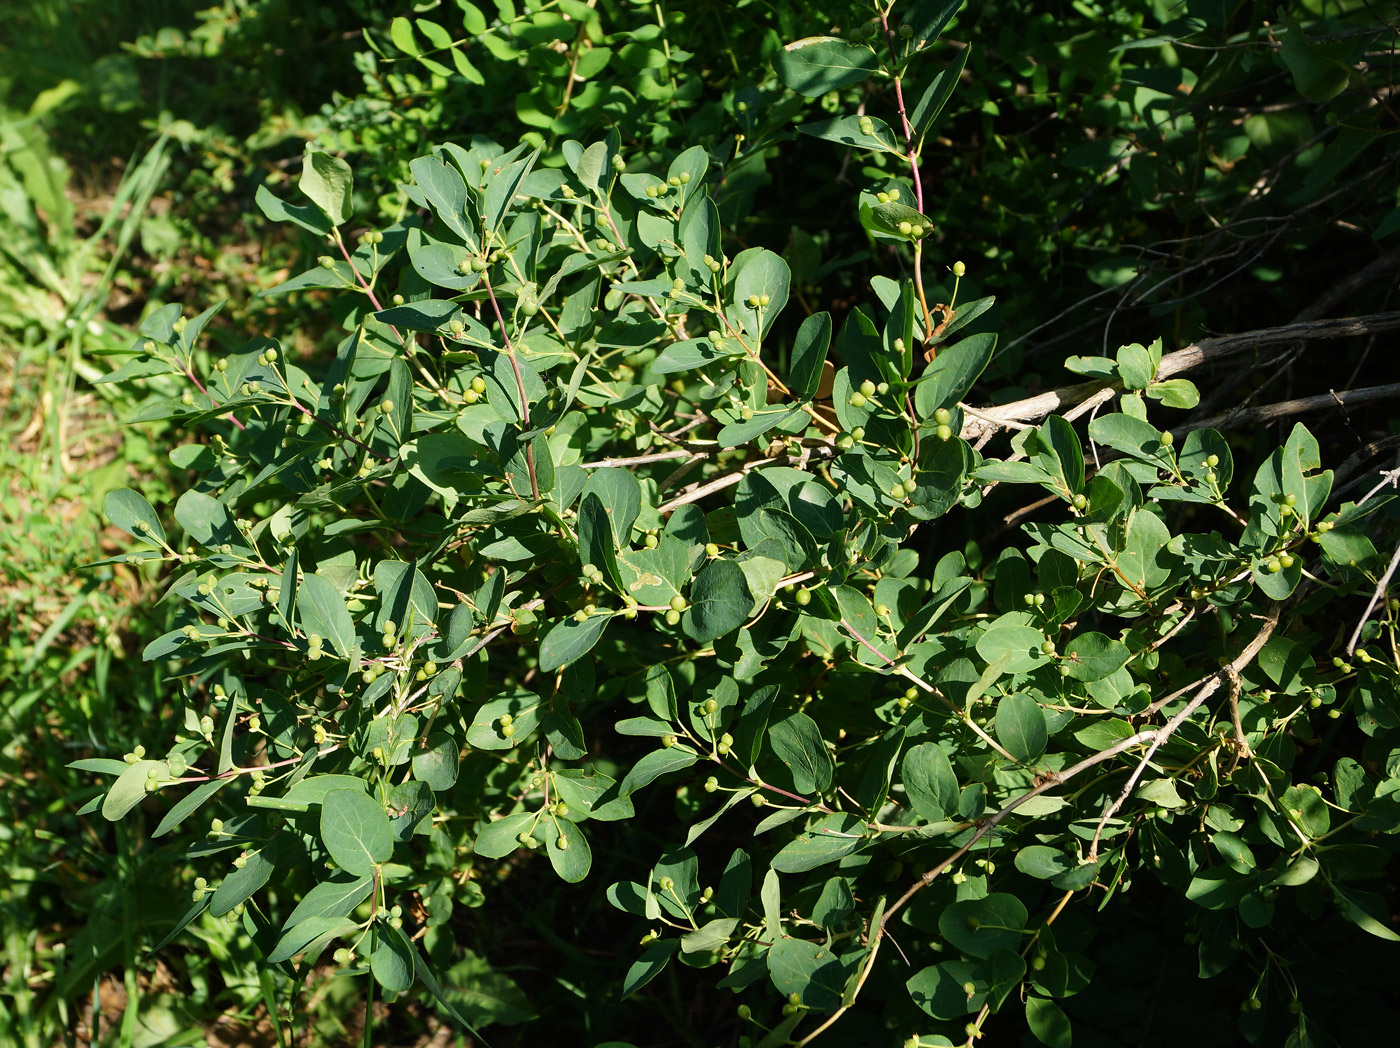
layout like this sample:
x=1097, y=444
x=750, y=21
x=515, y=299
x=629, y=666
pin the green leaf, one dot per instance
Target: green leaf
x=936, y=95
x=355, y=830
x=1130, y=435
x=573, y=861
x=240, y=885
x=1020, y=645
x=928, y=18
x=310, y=935
x=929, y=781
x=818, y=64
x=312, y=219
x=423, y=973
x=709, y=936
x=809, y=969
x=798, y=742
x=499, y=838
x=322, y=611
x=736, y=434
x=327, y=183
x=130, y=511
x=1136, y=366
x=621, y=496
x=719, y=601
x=1175, y=393
x=188, y=805
x=980, y=927
x=401, y=33
x=654, y=765
x=334, y=898
x=846, y=130
x=1020, y=727
x=391, y=960
x=1093, y=656
x=568, y=640
x=757, y=272
x=435, y=763
x=130, y=788
x=647, y=967
x=940, y=989
x=952, y=373
x=1318, y=77
x=828, y=839
x=1048, y=1022
x=486, y=731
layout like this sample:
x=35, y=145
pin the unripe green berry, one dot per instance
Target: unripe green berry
x=803, y=597
x=711, y=550
x=857, y=400
x=959, y=269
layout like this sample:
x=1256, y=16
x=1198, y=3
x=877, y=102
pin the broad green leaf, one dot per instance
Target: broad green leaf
x=826, y=840
x=809, y=350
x=130, y=788
x=573, y=860
x=1021, y=643
x=940, y=989
x=818, y=64
x=798, y=743
x=928, y=18
x=499, y=838
x=312, y=219
x=646, y=968
x=569, y=639
x=334, y=898
x=1093, y=656
x=435, y=763
x=1048, y=1022
x=980, y=927
x=809, y=969
x=1020, y=726
x=310, y=935
x=936, y=95
x=327, y=183
x=952, y=373
x=929, y=781
x=355, y=830
x=240, y=885
x=621, y=496
x=487, y=727
x=758, y=272
x=391, y=960
x=130, y=511
x=846, y=130
x=188, y=805
x=322, y=611
x=709, y=936
x=719, y=601
x=654, y=765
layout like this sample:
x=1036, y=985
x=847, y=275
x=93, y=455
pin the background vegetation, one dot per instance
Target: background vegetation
x=1111, y=172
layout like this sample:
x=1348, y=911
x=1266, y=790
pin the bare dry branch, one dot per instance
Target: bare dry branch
x=988, y=420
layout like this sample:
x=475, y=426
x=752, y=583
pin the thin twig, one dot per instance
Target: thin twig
x=989, y=419
x=1228, y=672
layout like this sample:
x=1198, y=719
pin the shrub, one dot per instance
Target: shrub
x=584, y=552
